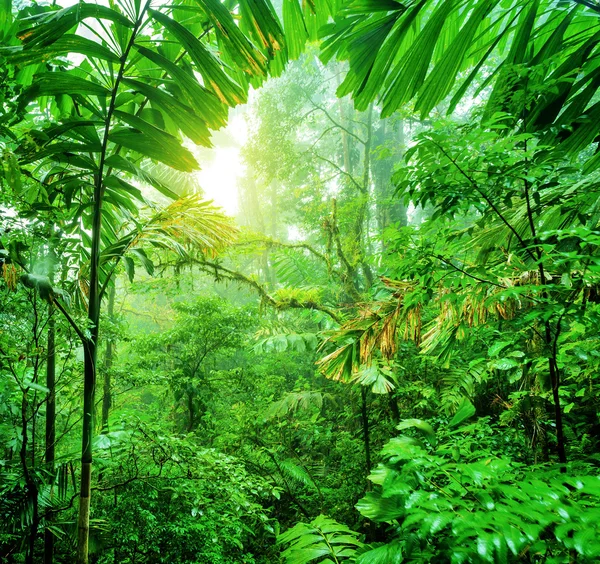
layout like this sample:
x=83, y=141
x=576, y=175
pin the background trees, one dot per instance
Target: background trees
x=424, y=254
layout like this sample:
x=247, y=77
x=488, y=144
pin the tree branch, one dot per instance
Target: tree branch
x=221, y=271
x=487, y=199
x=360, y=188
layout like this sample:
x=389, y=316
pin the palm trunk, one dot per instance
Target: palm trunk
x=90, y=344
x=50, y=426
x=365, y=426
x=108, y=360
x=83, y=523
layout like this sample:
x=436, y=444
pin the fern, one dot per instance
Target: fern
x=460, y=383
x=322, y=540
x=294, y=268
x=290, y=469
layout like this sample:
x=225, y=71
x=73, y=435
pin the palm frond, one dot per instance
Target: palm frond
x=294, y=401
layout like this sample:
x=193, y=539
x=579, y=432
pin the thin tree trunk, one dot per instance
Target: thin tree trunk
x=50, y=426
x=32, y=487
x=346, y=142
x=555, y=382
x=550, y=339
x=108, y=361
x=90, y=344
x=365, y=426
x=32, y=492
x=362, y=227
x=191, y=411
x=394, y=408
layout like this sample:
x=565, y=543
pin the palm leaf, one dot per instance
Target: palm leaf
x=420, y=49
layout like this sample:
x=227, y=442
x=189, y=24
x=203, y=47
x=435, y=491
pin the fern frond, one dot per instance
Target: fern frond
x=322, y=540
x=291, y=469
x=460, y=383
x=294, y=268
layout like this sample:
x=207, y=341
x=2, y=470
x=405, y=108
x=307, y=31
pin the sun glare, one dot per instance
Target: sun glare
x=222, y=166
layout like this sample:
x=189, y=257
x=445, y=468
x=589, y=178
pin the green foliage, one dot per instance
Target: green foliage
x=189, y=504
x=193, y=357
x=462, y=502
x=322, y=540
x=446, y=269
x=426, y=50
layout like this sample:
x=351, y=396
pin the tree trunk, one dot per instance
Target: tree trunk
x=83, y=523
x=346, y=140
x=191, y=411
x=50, y=426
x=108, y=360
x=560, y=436
x=363, y=220
x=393, y=402
x=32, y=492
x=365, y=426
x=90, y=343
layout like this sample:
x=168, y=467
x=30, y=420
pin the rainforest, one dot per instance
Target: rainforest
x=299, y=281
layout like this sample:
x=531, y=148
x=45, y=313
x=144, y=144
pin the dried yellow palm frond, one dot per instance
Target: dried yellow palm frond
x=414, y=324
x=374, y=334
x=339, y=364
x=387, y=337
x=10, y=275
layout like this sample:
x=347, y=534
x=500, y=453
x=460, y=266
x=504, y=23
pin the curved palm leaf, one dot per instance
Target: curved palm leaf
x=423, y=50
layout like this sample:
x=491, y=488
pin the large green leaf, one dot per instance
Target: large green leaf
x=442, y=77
x=182, y=115
x=363, y=51
x=260, y=22
x=215, y=79
x=408, y=75
x=57, y=83
x=209, y=106
x=75, y=154
x=243, y=54
x=387, y=554
x=152, y=142
x=53, y=25
x=295, y=28
x=465, y=411
x=63, y=46
x=432, y=42
x=118, y=162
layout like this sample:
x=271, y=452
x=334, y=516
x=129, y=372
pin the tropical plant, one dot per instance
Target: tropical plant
x=322, y=540
x=451, y=498
x=115, y=99
x=420, y=50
